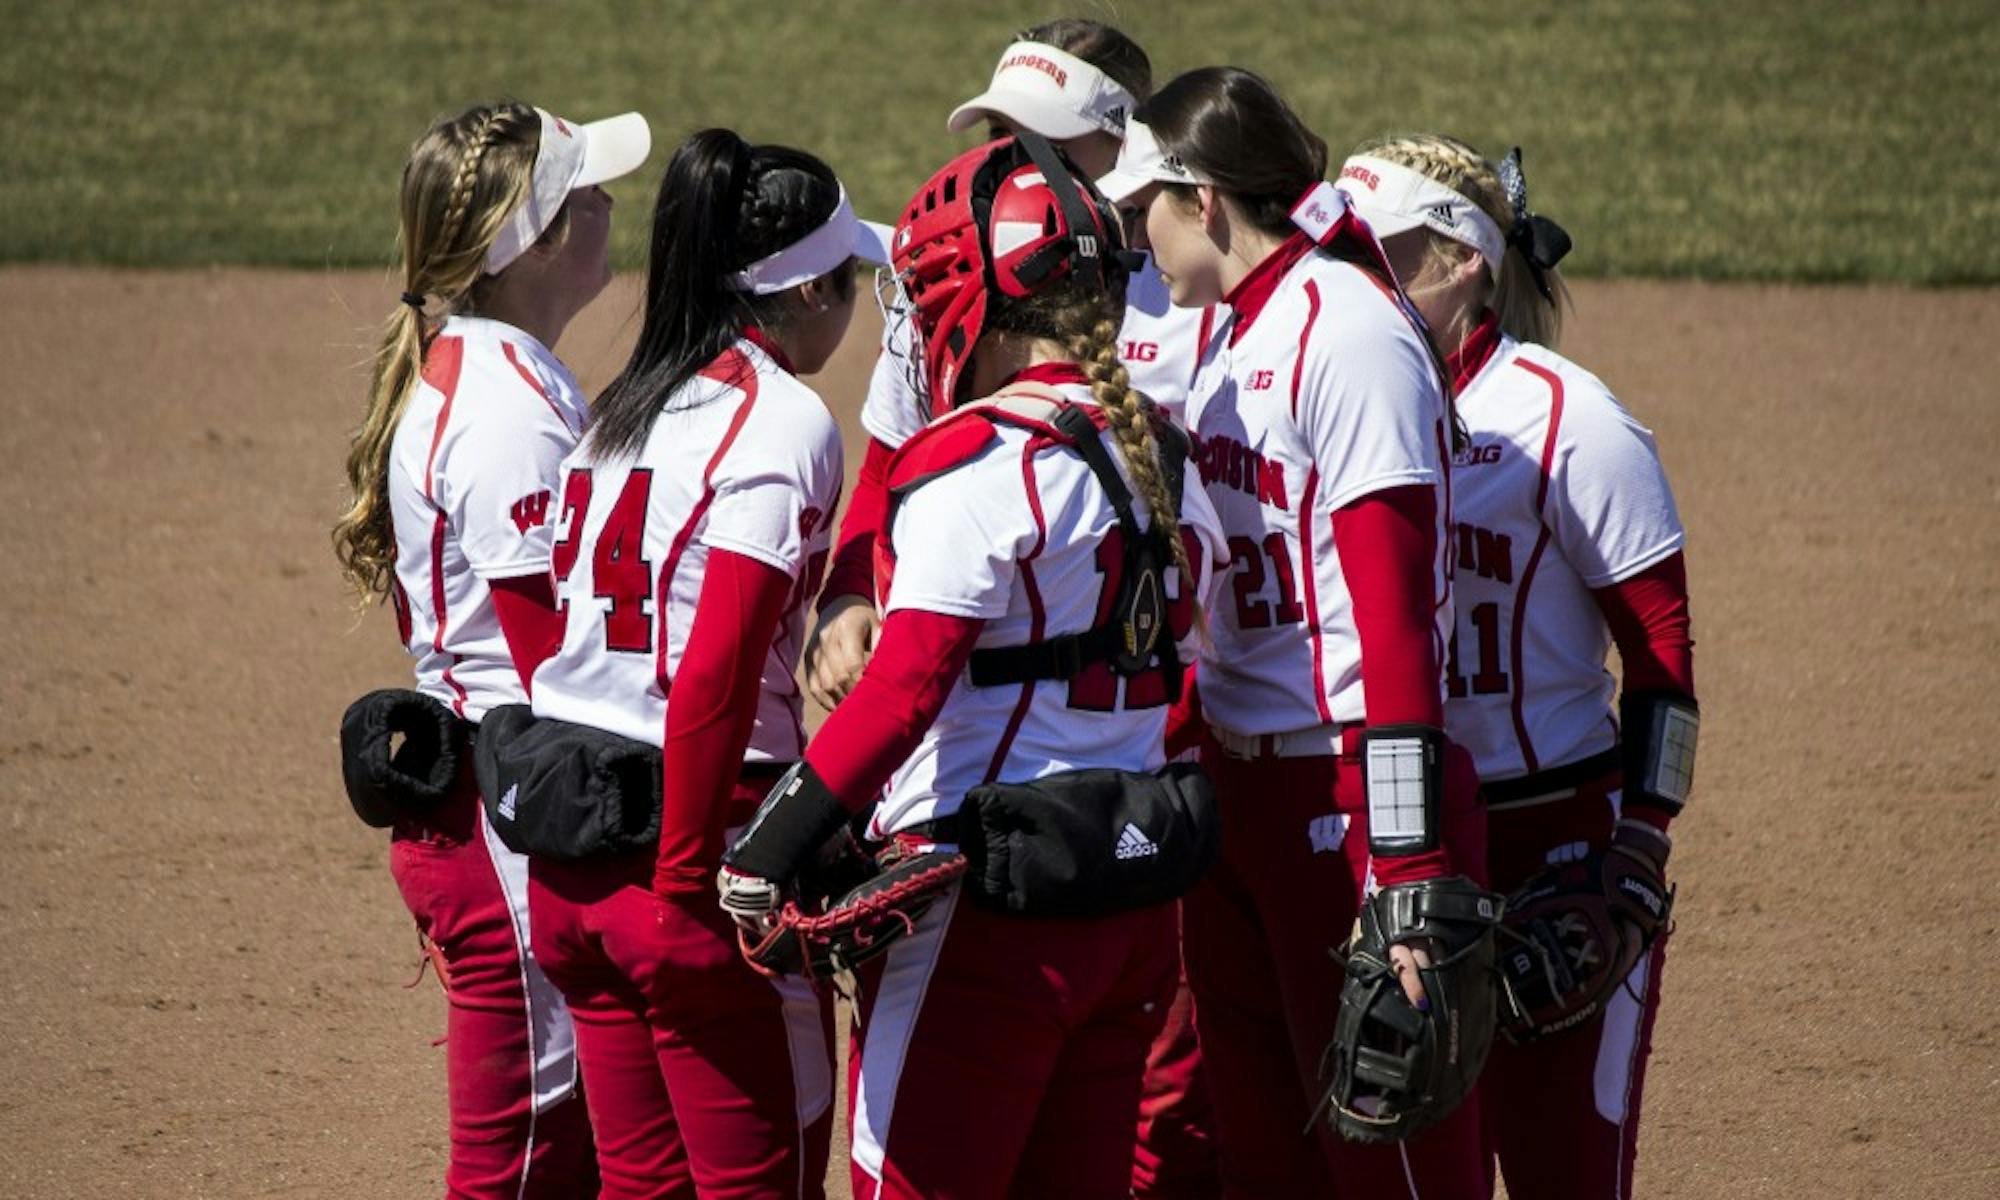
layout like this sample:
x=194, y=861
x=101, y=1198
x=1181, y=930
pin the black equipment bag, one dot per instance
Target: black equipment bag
x=566, y=792
x=1089, y=843
x=388, y=780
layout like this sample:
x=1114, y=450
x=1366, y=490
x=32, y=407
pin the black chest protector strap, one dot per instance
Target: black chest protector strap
x=1134, y=631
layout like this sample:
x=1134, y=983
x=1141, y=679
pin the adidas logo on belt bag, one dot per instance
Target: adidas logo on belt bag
x=1133, y=843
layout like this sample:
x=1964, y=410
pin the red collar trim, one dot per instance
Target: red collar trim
x=1249, y=297
x=1054, y=374
x=1473, y=353
x=758, y=338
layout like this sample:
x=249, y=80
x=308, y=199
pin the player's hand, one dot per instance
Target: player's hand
x=1406, y=961
x=839, y=648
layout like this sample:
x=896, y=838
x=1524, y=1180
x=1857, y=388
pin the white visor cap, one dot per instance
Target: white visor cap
x=1050, y=92
x=571, y=156
x=1392, y=198
x=841, y=237
x=1141, y=163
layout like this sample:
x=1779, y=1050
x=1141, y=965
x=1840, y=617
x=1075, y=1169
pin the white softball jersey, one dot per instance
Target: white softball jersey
x=1560, y=491
x=1022, y=538
x=1328, y=395
x=745, y=458
x=1158, y=344
x=472, y=469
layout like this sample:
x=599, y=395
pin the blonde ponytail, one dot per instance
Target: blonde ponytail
x=1522, y=311
x=462, y=180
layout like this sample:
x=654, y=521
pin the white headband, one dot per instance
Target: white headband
x=1050, y=92
x=1141, y=161
x=842, y=237
x=1393, y=198
x=570, y=156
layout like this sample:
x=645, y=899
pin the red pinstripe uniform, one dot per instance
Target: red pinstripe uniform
x=1320, y=427
x=472, y=468
x=684, y=570
x=1567, y=539
x=1158, y=345
x=1041, y=1025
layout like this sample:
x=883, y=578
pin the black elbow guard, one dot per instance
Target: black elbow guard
x=794, y=821
x=1658, y=732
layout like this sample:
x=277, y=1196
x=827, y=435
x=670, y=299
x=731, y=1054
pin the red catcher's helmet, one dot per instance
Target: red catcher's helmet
x=1012, y=216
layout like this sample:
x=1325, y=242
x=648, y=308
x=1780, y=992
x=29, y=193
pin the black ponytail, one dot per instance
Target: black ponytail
x=723, y=204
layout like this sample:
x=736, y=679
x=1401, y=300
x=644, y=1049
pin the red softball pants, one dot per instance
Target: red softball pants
x=1563, y=1113
x=1175, y=1158
x=1258, y=931
x=704, y=1078
x=517, y=1127
x=1001, y=1056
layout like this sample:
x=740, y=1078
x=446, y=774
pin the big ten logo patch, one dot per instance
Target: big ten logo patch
x=1477, y=455
x=1261, y=381
x=1223, y=461
x=1326, y=833
x=1140, y=352
x=530, y=511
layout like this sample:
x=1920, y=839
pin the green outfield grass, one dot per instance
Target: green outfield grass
x=1819, y=140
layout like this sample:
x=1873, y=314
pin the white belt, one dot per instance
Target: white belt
x=1311, y=742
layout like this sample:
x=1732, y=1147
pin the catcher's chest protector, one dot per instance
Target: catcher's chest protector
x=954, y=440
x=1129, y=636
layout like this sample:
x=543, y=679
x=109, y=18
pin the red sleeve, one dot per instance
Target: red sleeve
x=902, y=690
x=1184, y=720
x=526, y=607
x=1387, y=542
x=1649, y=620
x=711, y=711
x=853, y=569
x=1648, y=615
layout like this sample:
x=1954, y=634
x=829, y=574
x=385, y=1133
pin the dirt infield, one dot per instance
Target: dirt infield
x=206, y=955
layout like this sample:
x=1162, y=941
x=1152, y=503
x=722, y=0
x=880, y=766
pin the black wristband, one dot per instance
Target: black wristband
x=1658, y=732
x=794, y=821
x=1403, y=771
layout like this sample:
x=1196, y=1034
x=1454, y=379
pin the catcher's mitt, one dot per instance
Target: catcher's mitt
x=1393, y=1069
x=1575, y=931
x=821, y=942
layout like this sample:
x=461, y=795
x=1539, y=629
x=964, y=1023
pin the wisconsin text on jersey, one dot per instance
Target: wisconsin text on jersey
x=1221, y=460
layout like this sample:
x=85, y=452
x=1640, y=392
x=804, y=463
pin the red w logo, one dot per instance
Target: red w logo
x=530, y=511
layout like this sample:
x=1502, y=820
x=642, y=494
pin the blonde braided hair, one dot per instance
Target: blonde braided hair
x=462, y=181
x=1513, y=297
x=1130, y=418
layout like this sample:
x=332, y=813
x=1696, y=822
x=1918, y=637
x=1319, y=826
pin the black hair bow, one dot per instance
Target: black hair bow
x=1541, y=241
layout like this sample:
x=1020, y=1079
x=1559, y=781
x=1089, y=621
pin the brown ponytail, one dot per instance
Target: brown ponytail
x=462, y=180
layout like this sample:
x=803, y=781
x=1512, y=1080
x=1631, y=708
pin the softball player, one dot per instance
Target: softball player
x=503, y=234
x=692, y=532
x=1073, y=81
x=1567, y=541
x=998, y=1054
x=1321, y=432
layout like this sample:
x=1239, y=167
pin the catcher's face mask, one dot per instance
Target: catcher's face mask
x=1011, y=217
